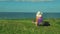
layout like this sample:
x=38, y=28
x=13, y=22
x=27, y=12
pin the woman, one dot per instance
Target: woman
x=39, y=18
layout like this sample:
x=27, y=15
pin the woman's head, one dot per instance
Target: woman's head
x=39, y=13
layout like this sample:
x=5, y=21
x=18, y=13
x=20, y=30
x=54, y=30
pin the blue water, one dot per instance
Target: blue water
x=18, y=15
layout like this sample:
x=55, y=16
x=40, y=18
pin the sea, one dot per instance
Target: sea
x=22, y=15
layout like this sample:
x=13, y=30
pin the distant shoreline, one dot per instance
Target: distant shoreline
x=28, y=18
x=23, y=15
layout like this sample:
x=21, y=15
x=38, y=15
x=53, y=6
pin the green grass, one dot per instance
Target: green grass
x=25, y=26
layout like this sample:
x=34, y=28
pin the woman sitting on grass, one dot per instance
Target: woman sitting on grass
x=39, y=18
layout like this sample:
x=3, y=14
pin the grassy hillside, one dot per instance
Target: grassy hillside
x=25, y=26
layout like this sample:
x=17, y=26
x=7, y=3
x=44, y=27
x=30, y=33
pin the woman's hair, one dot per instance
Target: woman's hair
x=38, y=13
